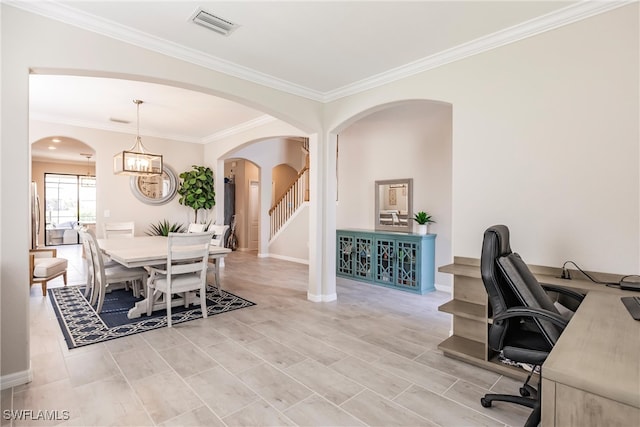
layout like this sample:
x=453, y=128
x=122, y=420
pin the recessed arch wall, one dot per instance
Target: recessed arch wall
x=529, y=146
x=265, y=152
x=398, y=140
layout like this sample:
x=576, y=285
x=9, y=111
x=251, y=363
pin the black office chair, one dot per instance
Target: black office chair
x=526, y=324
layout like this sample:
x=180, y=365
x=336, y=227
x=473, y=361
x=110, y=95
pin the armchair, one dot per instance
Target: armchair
x=44, y=265
x=526, y=324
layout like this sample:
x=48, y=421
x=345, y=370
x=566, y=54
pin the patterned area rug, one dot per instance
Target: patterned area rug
x=81, y=325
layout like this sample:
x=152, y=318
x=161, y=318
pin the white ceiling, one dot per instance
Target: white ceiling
x=321, y=50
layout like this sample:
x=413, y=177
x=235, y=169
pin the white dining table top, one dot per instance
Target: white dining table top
x=145, y=250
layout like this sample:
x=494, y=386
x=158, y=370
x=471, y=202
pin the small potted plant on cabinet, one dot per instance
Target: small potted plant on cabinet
x=423, y=219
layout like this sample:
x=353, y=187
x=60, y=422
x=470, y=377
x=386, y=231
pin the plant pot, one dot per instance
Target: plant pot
x=423, y=229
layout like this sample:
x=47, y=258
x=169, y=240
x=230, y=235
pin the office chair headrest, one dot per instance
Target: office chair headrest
x=494, y=246
x=498, y=237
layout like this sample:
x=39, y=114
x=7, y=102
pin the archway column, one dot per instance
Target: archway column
x=322, y=279
x=265, y=203
x=329, y=221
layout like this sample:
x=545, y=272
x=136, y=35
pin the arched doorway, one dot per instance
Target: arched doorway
x=63, y=190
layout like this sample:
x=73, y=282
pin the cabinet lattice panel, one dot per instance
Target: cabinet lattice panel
x=396, y=260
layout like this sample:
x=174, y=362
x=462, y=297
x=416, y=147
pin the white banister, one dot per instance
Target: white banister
x=289, y=202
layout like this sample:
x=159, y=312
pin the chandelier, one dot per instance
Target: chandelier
x=87, y=180
x=137, y=160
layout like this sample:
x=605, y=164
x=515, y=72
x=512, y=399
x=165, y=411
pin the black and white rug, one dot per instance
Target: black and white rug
x=81, y=325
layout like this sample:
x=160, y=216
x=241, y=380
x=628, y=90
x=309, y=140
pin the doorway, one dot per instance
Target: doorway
x=69, y=201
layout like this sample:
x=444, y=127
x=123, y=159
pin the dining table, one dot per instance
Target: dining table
x=149, y=251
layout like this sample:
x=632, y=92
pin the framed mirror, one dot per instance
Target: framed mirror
x=394, y=205
x=155, y=189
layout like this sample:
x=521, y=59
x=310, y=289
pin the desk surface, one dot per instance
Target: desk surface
x=144, y=250
x=599, y=352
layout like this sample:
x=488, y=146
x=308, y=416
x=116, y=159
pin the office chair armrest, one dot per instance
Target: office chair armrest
x=577, y=296
x=533, y=313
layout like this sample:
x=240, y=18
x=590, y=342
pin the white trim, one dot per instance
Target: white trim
x=572, y=13
x=567, y=15
x=242, y=127
x=16, y=379
x=321, y=298
x=288, y=258
x=87, y=21
x=444, y=288
x=263, y=255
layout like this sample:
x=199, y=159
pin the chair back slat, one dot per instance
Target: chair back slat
x=187, y=253
x=118, y=229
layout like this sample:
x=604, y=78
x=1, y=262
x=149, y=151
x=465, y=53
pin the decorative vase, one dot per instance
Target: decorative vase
x=422, y=229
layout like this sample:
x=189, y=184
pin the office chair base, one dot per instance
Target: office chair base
x=487, y=400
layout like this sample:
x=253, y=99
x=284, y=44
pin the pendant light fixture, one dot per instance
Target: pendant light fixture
x=137, y=160
x=87, y=180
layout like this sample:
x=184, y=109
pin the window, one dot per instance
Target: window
x=69, y=200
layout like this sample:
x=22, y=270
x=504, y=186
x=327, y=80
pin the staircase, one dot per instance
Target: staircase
x=289, y=202
x=292, y=199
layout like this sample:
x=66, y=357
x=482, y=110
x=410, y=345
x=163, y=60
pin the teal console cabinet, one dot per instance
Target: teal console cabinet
x=404, y=261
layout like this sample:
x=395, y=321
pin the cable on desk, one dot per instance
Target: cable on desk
x=567, y=275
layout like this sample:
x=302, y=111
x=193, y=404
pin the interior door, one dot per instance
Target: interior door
x=254, y=214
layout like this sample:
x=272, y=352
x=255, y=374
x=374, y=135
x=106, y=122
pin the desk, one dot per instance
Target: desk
x=592, y=375
x=143, y=252
x=469, y=307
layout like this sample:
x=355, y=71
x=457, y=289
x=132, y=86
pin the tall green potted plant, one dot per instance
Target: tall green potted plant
x=196, y=189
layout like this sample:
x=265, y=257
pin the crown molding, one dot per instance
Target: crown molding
x=121, y=128
x=541, y=24
x=242, y=127
x=80, y=19
x=550, y=21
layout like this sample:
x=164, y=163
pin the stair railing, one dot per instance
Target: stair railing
x=289, y=202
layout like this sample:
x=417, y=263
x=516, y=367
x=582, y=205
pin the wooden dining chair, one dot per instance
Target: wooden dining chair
x=185, y=271
x=196, y=228
x=118, y=229
x=219, y=233
x=106, y=276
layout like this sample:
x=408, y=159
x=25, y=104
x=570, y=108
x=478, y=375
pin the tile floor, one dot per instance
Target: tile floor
x=369, y=358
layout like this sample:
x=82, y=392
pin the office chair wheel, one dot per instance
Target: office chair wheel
x=485, y=403
x=524, y=392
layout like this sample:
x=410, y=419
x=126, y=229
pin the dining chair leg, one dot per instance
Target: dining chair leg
x=203, y=301
x=168, y=310
x=89, y=289
x=101, y=297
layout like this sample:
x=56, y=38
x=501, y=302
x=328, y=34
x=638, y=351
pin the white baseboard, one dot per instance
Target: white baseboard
x=16, y=379
x=288, y=258
x=261, y=255
x=321, y=298
x=444, y=288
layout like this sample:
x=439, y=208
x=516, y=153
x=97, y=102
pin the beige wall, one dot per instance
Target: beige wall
x=113, y=193
x=545, y=140
x=282, y=176
x=410, y=140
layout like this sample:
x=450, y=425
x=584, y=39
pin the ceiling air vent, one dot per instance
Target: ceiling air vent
x=215, y=23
